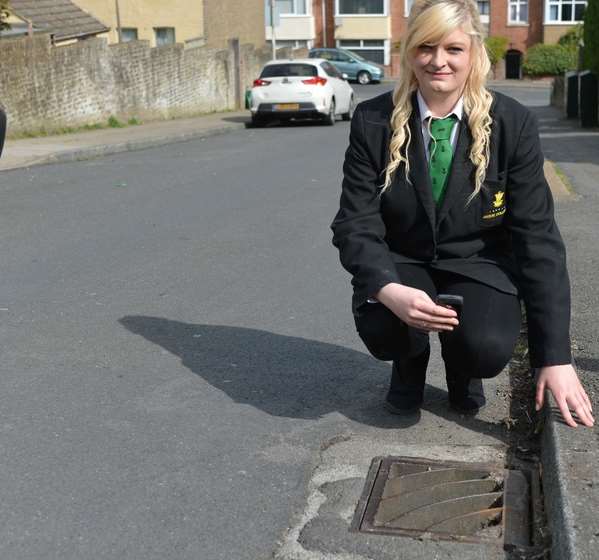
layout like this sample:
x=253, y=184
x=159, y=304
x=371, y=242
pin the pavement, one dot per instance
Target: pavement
x=318, y=530
x=97, y=143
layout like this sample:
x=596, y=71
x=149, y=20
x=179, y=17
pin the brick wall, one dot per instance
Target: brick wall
x=318, y=23
x=399, y=25
x=46, y=87
x=520, y=37
x=552, y=33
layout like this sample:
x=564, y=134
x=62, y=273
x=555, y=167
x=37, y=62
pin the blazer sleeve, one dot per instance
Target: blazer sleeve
x=539, y=251
x=358, y=228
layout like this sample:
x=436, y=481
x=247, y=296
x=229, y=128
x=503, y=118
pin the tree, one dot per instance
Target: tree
x=4, y=15
x=591, y=36
x=496, y=49
x=572, y=37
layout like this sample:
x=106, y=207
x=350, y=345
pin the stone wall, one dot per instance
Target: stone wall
x=44, y=87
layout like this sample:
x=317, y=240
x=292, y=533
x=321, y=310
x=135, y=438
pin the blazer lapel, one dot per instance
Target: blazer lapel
x=459, y=179
x=419, y=174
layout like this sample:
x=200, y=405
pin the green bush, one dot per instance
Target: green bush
x=549, y=60
x=496, y=48
x=4, y=15
x=113, y=122
x=591, y=36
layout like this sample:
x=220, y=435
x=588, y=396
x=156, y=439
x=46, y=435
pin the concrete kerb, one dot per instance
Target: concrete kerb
x=92, y=152
x=540, y=84
x=559, y=513
x=554, y=471
x=558, y=188
x=571, y=485
x=557, y=503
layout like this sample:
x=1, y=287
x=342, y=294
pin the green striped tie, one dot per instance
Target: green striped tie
x=440, y=154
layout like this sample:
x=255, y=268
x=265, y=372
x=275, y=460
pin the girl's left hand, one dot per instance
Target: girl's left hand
x=568, y=392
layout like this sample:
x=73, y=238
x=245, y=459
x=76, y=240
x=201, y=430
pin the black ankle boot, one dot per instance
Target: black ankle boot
x=466, y=395
x=407, y=384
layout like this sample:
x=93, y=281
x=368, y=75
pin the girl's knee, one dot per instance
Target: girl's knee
x=481, y=357
x=382, y=333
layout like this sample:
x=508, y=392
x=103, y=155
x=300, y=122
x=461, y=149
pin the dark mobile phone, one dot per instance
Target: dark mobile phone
x=450, y=300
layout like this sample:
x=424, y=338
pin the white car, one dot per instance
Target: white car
x=307, y=88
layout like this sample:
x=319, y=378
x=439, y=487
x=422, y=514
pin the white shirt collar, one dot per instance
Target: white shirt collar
x=425, y=112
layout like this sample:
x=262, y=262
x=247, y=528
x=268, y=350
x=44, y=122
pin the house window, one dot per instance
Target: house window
x=164, y=35
x=483, y=7
x=291, y=7
x=567, y=11
x=361, y=7
x=128, y=34
x=370, y=49
x=518, y=11
x=299, y=44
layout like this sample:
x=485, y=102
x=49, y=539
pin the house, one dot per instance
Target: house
x=160, y=23
x=374, y=28
x=242, y=20
x=295, y=22
x=62, y=19
x=527, y=22
x=191, y=22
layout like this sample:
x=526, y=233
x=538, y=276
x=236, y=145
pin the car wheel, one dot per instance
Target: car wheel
x=258, y=122
x=364, y=77
x=352, y=107
x=330, y=118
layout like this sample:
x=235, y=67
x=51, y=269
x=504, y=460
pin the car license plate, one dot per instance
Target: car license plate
x=286, y=107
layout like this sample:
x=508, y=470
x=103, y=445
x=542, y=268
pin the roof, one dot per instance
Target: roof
x=61, y=18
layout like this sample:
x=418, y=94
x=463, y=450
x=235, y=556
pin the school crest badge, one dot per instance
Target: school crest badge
x=498, y=202
x=497, y=207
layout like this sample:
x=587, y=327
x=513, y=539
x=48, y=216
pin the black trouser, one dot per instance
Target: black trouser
x=479, y=347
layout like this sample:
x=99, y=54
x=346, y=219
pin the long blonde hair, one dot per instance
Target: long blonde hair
x=429, y=22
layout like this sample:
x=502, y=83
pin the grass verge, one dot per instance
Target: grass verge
x=563, y=177
x=112, y=122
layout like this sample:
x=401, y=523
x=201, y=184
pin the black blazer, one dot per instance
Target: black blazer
x=506, y=237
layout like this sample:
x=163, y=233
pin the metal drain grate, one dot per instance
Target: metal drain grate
x=448, y=500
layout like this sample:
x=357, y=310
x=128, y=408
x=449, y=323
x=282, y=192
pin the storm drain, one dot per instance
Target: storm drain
x=448, y=500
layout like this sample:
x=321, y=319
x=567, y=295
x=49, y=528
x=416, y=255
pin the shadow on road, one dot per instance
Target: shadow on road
x=290, y=376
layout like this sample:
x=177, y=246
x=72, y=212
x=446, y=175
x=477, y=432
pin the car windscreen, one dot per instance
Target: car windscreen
x=286, y=70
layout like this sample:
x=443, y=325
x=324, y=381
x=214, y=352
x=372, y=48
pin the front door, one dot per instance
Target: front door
x=513, y=60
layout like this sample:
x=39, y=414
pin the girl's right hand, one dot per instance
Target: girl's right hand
x=415, y=308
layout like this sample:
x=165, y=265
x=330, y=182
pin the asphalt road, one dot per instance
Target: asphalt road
x=177, y=344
